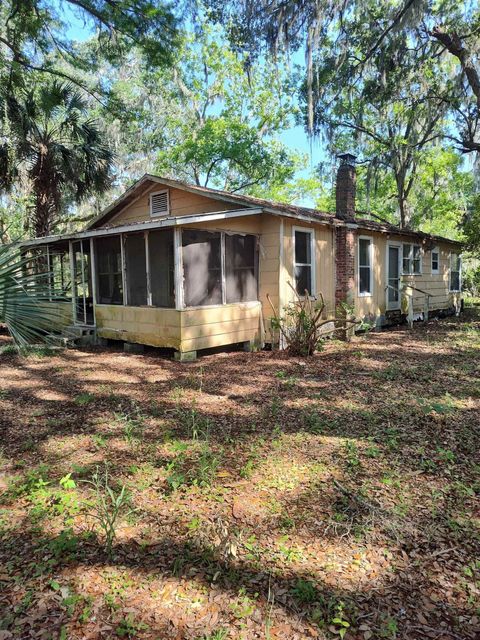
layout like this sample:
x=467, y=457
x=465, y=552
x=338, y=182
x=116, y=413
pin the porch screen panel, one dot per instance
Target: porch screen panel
x=160, y=249
x=136, y=270
x=108, y=260
x=61, y=278
x=240, y=268
x=202, y=270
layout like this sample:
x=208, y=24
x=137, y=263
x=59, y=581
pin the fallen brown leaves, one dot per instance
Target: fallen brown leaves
x=272, y=497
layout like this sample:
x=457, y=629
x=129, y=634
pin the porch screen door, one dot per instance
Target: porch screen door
x=393, y=290
x=82, y=281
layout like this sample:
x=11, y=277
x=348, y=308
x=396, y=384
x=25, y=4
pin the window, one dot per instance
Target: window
x=435, y=261
x=135, y=269
x=202, y=267
x=455, y=272
x=160, y=251
x=303, y=261
x=108, y=255
x=365, y=266
x=159, y=203
x=412, y=259
x=240, y=268
x=218, y=267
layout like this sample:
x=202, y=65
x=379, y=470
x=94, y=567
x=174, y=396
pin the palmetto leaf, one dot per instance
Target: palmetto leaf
x=25, y=300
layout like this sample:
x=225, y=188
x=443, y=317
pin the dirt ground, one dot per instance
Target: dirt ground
x=263, y=497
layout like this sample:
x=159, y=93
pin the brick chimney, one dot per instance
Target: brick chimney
x=345, y=242
x=345, y=187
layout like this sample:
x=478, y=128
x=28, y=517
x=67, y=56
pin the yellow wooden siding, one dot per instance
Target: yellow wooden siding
x=145, y=325
x=436, y=285
x=221, y=325
x=186, y=329
x=181, y=203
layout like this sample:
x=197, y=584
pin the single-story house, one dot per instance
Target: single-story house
x=174, y=265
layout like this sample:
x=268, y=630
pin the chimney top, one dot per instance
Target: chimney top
x=345, y=188
x=347, y=158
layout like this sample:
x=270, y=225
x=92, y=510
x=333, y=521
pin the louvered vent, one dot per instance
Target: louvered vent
x=159, y=203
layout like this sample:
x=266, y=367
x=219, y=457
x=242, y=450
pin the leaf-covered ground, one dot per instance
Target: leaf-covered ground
x=335, y=496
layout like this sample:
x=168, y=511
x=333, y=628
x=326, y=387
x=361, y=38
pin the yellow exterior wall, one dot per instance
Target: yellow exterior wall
x=436, y=285
x=182, y=203
x=145, y=325
x=184, y=330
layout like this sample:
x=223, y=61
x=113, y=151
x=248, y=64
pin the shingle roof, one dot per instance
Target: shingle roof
x=266, y=205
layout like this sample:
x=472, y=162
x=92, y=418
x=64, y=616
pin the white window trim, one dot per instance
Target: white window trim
x=369, y=293
x=435, y=272
x=411, y=245
x=312, y=257
x=157, y=193
x=459, y=290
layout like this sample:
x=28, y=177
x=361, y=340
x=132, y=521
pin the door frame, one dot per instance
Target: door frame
x=73, y=264
x=393, y=306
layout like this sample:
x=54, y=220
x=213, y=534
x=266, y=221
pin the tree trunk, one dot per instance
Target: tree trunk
x=42, y=221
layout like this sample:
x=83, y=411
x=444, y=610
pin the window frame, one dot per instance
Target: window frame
x=410, y=258
x=312, y=264
x=435, y=272
x=157, y=193
x=369, y=293
x=459, y=256
x=180, y=266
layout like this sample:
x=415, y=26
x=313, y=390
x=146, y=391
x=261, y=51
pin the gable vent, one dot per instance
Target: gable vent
x=159, y=203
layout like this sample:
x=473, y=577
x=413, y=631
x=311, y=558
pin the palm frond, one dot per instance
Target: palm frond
x=26, y=300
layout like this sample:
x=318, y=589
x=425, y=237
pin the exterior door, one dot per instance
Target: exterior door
x=82, y=282
x=393, y=277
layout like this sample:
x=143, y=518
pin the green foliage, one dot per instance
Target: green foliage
x=43, y=27
x=52, y=134
x=471, y=227
x=24, y=297
x=305, y=591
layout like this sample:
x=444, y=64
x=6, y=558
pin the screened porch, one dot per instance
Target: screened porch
x=184, y=288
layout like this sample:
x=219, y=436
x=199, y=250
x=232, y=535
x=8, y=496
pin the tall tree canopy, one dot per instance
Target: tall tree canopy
x=393, y=76
x=57, y=146
x=204, y=120
x=34, y=34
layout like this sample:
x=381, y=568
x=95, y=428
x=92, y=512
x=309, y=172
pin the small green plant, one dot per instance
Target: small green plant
x=302, y=325
x=99, y=441
x=339, y=622
x=196, y=425
x=64, y=545
x=291, y=554
x=372, y=451
x=218, y=634
x=351, y=451
x=84, y=399
x=388, y=628
x=313, y=422
x=128, y=627
x=391, y=372
x=305, y=591
x=244, y=605
x=207, y=467
x=246, y=471
x=108, y=506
